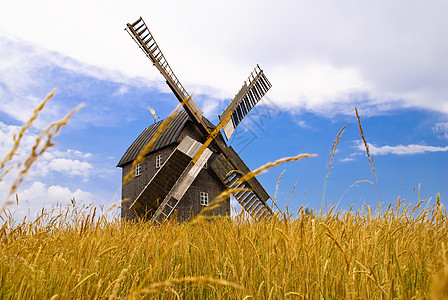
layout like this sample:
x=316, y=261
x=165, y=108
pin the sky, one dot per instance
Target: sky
x=323, y=58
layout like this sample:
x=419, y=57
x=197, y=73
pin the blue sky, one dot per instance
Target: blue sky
x=323, y=59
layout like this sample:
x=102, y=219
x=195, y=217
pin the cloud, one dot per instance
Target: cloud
x=347, y=159
x=235, y=207
x=22, y=81
x=35, y=71
x=332, y=56
x=210, y=108
x=441, y=130
x=69, y=166
x=121, y=90
x=69, y=162
x=302, y=124
x=38, y=195
x=400, y=149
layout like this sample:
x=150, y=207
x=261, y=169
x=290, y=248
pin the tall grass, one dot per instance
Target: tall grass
x=399, y=252
x=369, y=156
x=329, y=166
x=78, y=252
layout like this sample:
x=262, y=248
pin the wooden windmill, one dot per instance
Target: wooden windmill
x=191, y=156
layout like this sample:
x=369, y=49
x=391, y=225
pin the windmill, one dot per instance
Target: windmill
x=192, y=144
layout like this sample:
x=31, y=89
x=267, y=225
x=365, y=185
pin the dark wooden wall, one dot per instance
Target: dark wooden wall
x=189, y=205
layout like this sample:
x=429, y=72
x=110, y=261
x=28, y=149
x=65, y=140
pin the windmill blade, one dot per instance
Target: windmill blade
x=161, y=195
x=143, y=37
x=183, y=183
x=249, y=95
x=250, y=194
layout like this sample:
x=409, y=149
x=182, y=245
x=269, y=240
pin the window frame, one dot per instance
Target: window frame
x=203, y=198
x=138, y=170
x=158, y=161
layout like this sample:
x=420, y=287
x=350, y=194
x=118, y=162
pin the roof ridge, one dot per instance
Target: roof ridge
x=167, y=137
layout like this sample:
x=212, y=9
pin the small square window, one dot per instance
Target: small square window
x=204, y=198
x=138, y=169
x=158, y=161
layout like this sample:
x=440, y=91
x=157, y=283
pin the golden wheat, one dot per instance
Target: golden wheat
x=370, y=253
x=369, y=157
x=330, y=160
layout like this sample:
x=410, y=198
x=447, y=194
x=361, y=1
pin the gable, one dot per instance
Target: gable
x=167, y=137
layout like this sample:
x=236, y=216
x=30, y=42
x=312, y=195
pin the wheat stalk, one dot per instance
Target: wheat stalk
x=18, y=137
x=330, y=160
x=269, y=165
x=46, y=138
x=353, y=185
x=155, y=287
x=366, y=146
x=41, y=144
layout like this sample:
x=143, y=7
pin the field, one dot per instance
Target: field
x=385, y=253
x=394, y=252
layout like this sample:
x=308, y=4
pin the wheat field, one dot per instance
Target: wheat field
x=383, y=253
x=80, y=252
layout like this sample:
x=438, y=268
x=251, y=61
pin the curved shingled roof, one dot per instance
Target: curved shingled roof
x=167, y=137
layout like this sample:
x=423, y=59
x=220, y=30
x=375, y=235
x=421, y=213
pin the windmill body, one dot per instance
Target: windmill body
x=190, y=163
x=206, y=181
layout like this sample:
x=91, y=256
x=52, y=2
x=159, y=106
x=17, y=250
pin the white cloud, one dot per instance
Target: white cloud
x=210, y=108
x=235, y=207
x=400, y=149
x=69, y=166
x=303, y=124
x=6, y=139
x=441, y=130
x=21, y=84
x=69, y=162
x=33, y=193
x=320, y=56
x=347, y=159
x=121, y=90
x=38, y=195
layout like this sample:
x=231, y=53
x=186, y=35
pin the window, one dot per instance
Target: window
x=158, y=161
x=138, y=169
x=204, y=198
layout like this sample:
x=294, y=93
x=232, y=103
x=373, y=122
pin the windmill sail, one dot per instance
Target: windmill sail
x=252, y=91
x=250, y=194
x=161, y=195
x=164, y=191
x=143, y=37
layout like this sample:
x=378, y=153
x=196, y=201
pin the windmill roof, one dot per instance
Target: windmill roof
x=166, y=138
